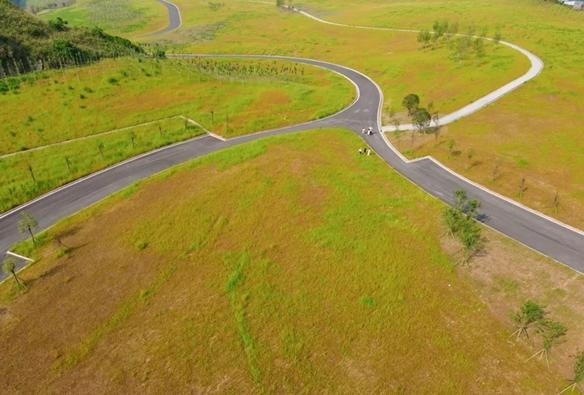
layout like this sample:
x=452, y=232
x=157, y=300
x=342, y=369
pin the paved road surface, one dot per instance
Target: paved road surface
x=174, y=17
x=547, y=236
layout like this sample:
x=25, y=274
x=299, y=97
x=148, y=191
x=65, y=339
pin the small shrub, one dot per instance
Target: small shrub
x=461, y=223
x=141, y=245
x=58, y=24
x=368, y=301
x=159, y=53
x=62, y=251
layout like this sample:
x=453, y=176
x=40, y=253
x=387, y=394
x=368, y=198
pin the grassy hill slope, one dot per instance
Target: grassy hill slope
x=28, y=43
x=287, y=265
x=127, y=18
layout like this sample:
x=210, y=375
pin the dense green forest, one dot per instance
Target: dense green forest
x=28, y=43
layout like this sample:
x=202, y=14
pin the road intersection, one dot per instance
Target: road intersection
x=546, y=235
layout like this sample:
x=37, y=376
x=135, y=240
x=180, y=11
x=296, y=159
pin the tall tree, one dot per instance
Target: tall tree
x=411, y=102
x=9, y=267
x=422, y=119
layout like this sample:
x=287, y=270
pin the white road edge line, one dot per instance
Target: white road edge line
x=19, y=256
x=193, y=122
x=217, y=136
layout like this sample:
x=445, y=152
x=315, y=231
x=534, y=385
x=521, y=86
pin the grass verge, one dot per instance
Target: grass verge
x=72, y=131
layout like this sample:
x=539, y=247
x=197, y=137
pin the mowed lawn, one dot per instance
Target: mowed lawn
x=535, y=132
x=128, y=17
x=58, y=126
x=288, y=264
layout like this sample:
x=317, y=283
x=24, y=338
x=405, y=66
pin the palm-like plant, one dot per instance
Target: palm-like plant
x=9, y=267
x=578, y=373
x=529, y=314
x=27, y=225
x=551, y=332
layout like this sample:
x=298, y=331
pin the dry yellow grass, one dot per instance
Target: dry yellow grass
x=285, y=265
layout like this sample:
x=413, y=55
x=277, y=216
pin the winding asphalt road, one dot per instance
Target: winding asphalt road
x=546, y=235
x=174, y=17
x=536, y=66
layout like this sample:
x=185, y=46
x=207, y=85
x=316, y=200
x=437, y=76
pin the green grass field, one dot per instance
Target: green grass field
x=38, y=6
x=127, y=17
x=290, y=264
x=27, y=175
x=533, y=133
x=394, y=60
x=77, y=110
x=285, y=265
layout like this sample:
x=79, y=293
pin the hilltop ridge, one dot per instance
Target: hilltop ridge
x=28, y=43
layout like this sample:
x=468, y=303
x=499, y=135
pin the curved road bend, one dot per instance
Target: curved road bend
x=536, y=66
x=544, y=235
x=174, y=17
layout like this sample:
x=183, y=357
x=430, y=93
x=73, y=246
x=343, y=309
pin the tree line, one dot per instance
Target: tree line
x=461, y=45
x=233, y=68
